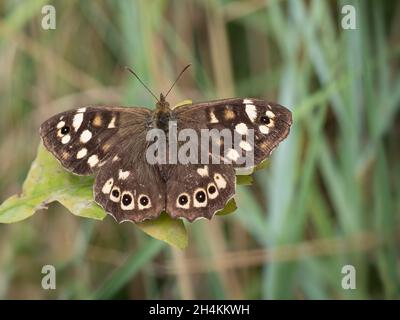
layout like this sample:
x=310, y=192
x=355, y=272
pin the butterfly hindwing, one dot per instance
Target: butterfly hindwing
x=195, y=191
x=83, y=139
x=270, y=123
x=130, y=191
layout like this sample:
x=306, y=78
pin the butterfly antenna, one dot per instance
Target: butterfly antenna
x=137, y=77
x=184, y=69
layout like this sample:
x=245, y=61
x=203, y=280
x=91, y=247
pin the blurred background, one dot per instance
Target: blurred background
x=330, y=196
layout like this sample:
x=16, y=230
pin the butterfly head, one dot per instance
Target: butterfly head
x=162, y=103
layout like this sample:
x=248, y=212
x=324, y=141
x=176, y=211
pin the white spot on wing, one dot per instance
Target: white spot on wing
x=247, y=101
x=213, y=117
x=203, y=171
x=122, y=175
x=245, y=145
x=81, y=109
x=86, y=136
x=81, y=153
x=66, y=139
x=219, y=181
x=232, y=154
x=60, y=124
x=112, y=123
x=93, y=160
x=107, y=186
x=270, y=114
x=77, y=121
x=263, y=129
x=241, y=128
x=251, y=112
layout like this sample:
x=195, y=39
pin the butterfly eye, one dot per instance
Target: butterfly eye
x=115, y=193
x=183, y=199
x=65, y=130
x=144, y=201
x=211, y=189
x=201, y=196
x=126, y=199
x=264, y=120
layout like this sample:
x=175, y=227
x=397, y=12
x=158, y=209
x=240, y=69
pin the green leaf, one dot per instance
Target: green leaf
x=183, y=103
x=229, y=208
x=166, y=229
x=245, y=180
x=262, y=165
x=47, y=182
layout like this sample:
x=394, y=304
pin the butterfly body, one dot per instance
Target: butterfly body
x=162, y=114
x=113, y=144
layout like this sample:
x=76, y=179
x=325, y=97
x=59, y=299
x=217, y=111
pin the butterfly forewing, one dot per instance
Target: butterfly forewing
x=83, y=139
x=112, y=142
x=269, y=122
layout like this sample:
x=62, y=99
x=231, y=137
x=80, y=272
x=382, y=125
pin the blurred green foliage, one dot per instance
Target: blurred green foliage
x=329, y=197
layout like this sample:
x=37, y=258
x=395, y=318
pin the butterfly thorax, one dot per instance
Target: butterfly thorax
x=162, y=114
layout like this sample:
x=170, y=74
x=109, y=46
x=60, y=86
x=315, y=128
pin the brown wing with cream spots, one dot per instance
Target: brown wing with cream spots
x=130, y=191
x=85, y=138
x=270, y=123
x=199, y=191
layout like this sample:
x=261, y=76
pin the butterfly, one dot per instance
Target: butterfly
x=110, y=142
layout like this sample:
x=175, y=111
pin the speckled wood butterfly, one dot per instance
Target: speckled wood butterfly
x=111, y=143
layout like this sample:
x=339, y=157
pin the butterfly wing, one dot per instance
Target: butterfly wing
x=109, y=141
x=83, y=139
x=270, y=123
x=130, y=191
x=195, y=191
